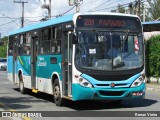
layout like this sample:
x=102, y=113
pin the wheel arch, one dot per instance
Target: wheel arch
x=20, y=72
x=55, y=76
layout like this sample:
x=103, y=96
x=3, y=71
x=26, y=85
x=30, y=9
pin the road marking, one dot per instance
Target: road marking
x=12, y=110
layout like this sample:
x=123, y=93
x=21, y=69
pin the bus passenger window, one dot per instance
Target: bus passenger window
x=45, y=41
x=56, y=39
x=10, y=48
x=42, y=50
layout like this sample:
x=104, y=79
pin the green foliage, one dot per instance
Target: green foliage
x=3, y=51
x=5, y=39
x=153, y=56
x=3, y=48
x=121, y=9
x=154, y=9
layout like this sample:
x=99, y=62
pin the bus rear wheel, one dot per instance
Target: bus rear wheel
x=59, y=101
x=21, y=85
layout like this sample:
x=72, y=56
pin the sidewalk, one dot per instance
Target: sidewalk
x=153, y=86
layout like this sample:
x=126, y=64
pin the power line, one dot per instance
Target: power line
x=68, y=10
x=9, y=22
x=22, y=2
x=107, y=5
x=31, y=20
x=100, y=4
x=6, y=1
x=10, y=19
x=7, y=17
x=114, y=6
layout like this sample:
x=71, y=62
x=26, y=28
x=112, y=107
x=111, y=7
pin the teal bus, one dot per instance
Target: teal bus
x=81, y=56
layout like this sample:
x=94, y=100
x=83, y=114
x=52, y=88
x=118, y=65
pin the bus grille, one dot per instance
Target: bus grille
x=111, y=77
x=111, y=93
x=107, y=85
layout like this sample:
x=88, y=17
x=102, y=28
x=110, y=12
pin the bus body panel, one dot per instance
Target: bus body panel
x=105, y=92
x=42, y=83
x=10, y=68
x=82, y=93
x=118, y=84
x=23, y=63
x=46, y=65
x=27, y=81
x=10, y=64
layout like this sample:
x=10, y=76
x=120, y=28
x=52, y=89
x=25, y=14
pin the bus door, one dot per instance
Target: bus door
x=67, y=64
x=14, y=59
x=34, y=46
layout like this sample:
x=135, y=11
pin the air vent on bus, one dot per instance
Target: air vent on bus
x=111, y=93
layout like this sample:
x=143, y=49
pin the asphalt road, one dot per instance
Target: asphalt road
x=12, y=100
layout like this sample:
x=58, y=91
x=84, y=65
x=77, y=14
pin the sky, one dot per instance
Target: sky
x=11, y=13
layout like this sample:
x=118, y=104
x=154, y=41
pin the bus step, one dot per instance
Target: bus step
x=67, y=97
x=34, y=90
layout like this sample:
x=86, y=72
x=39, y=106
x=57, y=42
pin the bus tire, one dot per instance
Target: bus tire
x=59, y=101
x=21, y=85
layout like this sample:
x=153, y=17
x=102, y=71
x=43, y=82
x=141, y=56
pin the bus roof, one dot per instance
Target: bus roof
x=63, y=19
x=151, y=26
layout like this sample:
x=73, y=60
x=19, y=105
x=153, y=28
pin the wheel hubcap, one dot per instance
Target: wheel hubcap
x=21, y=85
x=56, y=92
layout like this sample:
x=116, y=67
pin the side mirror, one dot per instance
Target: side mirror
x=74, y=38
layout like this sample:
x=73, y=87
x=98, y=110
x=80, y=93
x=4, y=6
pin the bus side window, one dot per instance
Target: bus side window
x=45, y=40
x=20, y=44
x=56, y=40
x=27, y=44
x=10, y=48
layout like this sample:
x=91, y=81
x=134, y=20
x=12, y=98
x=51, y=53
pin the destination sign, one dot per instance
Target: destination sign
x=108, y=21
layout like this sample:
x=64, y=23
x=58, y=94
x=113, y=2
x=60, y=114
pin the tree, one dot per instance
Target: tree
x=120, y=9
x=153, y=57
x=154, y=9
x=3, y=47
x=4, y=39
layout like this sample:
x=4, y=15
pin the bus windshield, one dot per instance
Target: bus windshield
x=107, y=51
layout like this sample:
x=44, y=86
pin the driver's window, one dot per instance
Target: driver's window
x=131, y=44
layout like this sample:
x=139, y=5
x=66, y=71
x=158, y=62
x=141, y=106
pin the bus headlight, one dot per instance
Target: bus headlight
x=83, y=82
x=138, y=82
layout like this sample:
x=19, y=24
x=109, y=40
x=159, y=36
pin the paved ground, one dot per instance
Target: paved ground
x=153, y=86
x=11, y=99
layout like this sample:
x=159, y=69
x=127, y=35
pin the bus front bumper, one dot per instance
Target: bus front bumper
x=83, y=93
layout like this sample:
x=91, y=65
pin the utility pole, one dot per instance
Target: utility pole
x=139, y=8
x=22, y=2
x=130, y=8
x=76, y=3
x=48, y=7
x=49, y=11
x=144, y=12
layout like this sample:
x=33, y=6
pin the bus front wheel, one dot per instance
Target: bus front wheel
x=59, y=101
x=21, y=85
